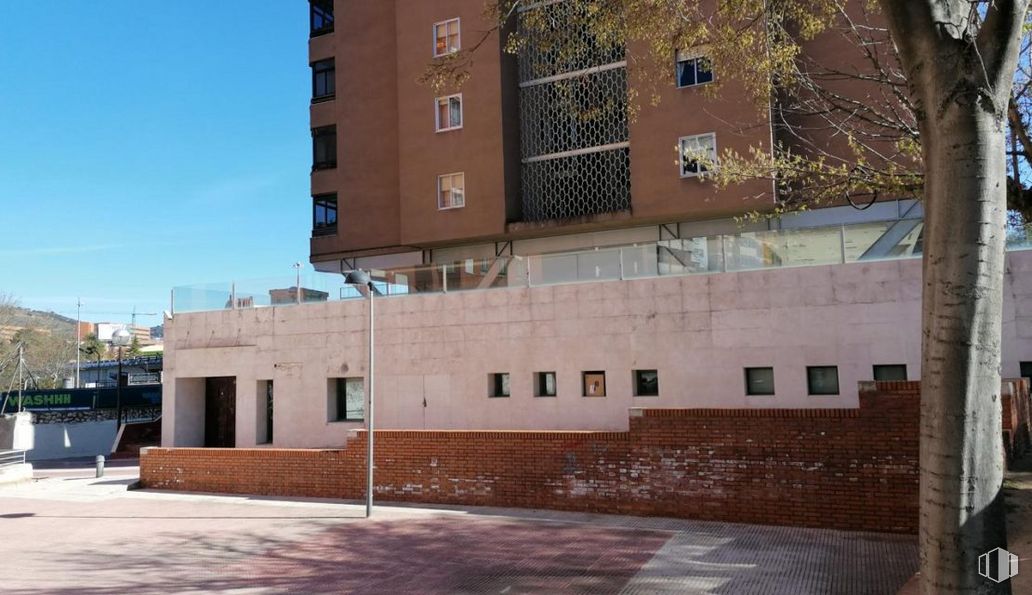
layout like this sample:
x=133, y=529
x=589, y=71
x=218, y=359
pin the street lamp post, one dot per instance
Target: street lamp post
x=120, y=339
x=360, y=278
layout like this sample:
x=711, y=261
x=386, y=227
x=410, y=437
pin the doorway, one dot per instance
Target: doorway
x=220, y=412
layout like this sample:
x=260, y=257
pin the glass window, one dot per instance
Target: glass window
x=324, y=214
x=324, y=85
x=545, y=384
x=322, y=16
x=890, y=372
x=822, y=380
x=499, y=385
x=1026, y=369
x=594, y=384
x=446, y=37
x=646, y=383
x=324, y=147
x=449, y=112
x=693, y=70
x=759, y=381
x=451, y=191
x=350, y=400
x=698, y=154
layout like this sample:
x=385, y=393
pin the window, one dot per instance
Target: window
x=759, y=381
x=544, y=384
x=264, y=413
x=1026, y=369
x=594, y=384
x=322, y=16
x=347, y=399
x=446, y=37
x=324, y=84
x=822, y=380
x=451, y=191
x=646, y=383
x=698, y=154
x=324, y=214
x=889, y=372
x=498, y=385
x=693, y=69
x=324, y=147
x=449, y=113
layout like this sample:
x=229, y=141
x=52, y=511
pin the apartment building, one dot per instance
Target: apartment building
x=502, y=165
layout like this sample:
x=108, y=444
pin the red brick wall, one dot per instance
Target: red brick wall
x=845, y=469
x=1017, y=417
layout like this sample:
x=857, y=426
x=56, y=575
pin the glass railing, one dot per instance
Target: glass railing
x=710, y=254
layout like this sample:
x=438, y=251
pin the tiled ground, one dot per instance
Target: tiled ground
x=69, y=534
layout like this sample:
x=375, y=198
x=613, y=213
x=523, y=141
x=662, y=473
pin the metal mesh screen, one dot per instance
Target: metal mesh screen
x=559, y=39
x=571, y=120
x=585, y=184
x=575, y=113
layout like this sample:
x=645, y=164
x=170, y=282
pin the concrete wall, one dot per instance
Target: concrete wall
x=60, y=441
x=435, y=351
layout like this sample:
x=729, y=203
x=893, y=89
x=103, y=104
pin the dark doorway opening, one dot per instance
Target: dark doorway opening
x=220, y=412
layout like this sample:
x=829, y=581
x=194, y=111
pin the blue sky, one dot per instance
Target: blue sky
x=145, y=145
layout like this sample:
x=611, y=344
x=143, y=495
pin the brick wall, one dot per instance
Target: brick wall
x=837, y=468
x=1017, y=417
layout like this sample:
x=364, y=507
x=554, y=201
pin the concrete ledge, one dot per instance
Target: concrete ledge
x=16, y=474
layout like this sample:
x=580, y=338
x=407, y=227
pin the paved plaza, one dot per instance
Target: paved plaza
x=68, y=532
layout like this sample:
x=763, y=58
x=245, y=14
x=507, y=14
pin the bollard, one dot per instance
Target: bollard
x=100, y=465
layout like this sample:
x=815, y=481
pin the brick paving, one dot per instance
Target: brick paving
x=70, y=534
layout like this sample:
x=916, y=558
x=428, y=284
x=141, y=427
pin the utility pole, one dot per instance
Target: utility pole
x=21, y=365
x=78, y=337
x=297, y=286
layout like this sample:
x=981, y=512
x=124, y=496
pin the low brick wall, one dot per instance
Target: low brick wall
x=836, y=468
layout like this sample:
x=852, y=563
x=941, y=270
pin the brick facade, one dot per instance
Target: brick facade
x=836, y=468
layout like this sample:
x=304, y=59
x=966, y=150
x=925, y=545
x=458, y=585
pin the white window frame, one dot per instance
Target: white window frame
x=693, y=54
x=440, y=205
x=680, y=154
x=456, y=20
x=437, y=113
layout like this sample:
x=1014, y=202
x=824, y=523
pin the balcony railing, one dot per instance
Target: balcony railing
x=700, y=255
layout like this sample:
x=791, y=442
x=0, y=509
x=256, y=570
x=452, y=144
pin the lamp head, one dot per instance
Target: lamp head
x=121, y=338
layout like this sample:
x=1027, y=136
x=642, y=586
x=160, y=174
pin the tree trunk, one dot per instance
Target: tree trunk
x=962, y=460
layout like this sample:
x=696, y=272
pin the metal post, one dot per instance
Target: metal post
x=21, y=364
x=78, y=337
x=232, y=295
x=297, y=285
x=100, y=465
x=369, y=454
x=118, y=392
x=842, y=243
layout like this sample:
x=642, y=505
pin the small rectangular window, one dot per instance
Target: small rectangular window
x=324, y=147
x=324, y=214
x=822, y=380
x=321, y=12
x=698, y=154
x=544, y=384
x=451, y=191
x=759, y=381
x=347, y=399
x=324, y=84
x=594, y=383
x=890, y=372
x=446, y=37
x=449, y=113
x=1026, y=369
x=646, y=383
x=498, y=384
x=264, y=413
x=693, y=69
